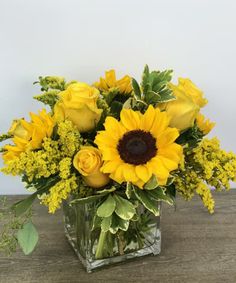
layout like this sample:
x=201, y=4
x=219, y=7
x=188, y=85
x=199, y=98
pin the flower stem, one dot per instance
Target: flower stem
x=121, y=243
x=100, y=246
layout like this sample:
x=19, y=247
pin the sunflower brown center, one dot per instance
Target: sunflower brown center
x=137, y=147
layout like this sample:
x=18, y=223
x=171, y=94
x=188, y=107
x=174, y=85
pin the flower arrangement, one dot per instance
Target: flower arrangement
x=117, y=144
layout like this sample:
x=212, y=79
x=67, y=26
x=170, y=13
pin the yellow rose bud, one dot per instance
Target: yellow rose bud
x=18, y=130
x=182, y=111
x=193, y=91
x=78, y=103
x=88, y=162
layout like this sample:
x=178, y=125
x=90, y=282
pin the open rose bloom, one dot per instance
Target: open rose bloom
x=109, y=153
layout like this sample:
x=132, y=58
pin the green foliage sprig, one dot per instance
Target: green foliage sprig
x=4, y=137
x=154, y=87
x=51, y=82
x=51, y=86
x=16, y=230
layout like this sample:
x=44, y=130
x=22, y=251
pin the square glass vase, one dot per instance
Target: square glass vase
x=96, y=249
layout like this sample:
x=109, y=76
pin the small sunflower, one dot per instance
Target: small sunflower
x=205, y=125
x=28, y=135
x=110, y=83
x=139, y=146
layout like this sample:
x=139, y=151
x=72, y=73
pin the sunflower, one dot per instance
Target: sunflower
x=28, y=135
x=139, y=146
x=110, y=83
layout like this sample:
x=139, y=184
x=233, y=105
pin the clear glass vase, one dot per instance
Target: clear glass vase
x=143, y=236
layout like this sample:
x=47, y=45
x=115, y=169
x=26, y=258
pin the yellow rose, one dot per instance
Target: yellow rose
x=182, y=111
x=193, y=91
x=78, y=103
x=88, y=162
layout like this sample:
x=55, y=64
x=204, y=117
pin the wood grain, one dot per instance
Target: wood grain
x=196, y=247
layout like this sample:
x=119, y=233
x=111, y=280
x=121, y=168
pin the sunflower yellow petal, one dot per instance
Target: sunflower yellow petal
x=109, y=153
x=158, y=168
x=167, y=137
x=124, y=84
x=143, y=172
x=36, y=119
x=130, y=119
x=168, y=163
x=111, y=166
x=103, y=84
x=129, y=173
x=160, y=122
x=110, y=83
x=110, y=77
x=139, y=184
x=12, y=148
x=117, y=175
x=113, y=127
x=105, y=140
x=173, y=151
x=26, y=125
x=147, y=119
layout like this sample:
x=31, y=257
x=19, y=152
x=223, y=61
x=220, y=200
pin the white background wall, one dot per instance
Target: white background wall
x=81, y=39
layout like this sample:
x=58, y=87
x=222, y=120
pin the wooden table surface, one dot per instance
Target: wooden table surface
x=196, y=247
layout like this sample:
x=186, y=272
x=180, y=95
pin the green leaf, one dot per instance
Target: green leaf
x=146, y=80
x=115, y=109
x=24, y=205
x=27, y=238
x=155, y=86
x=129, y=103
x=152, y=97
x=43, y=186
x=86, y=199
x=129, y=189
x=106, y=223
x=147, y=201
x=159, y=194
x=118, y=223
x=171, y=192
x=166, y=96
x=2, y=149
x=123, y=224
x=124, y=208
x=4, y=137
x=100, y=123
x=151, y=184
x=100, y=194
x=96, y=222
x=136, y=88
x=107, y=207
x=135, y=217
x=170, y=181
x=109, y=97
x=192, y=136
x=106, y=191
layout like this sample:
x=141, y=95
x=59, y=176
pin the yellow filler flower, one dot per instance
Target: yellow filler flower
x=139, y=146
x=110, y=83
